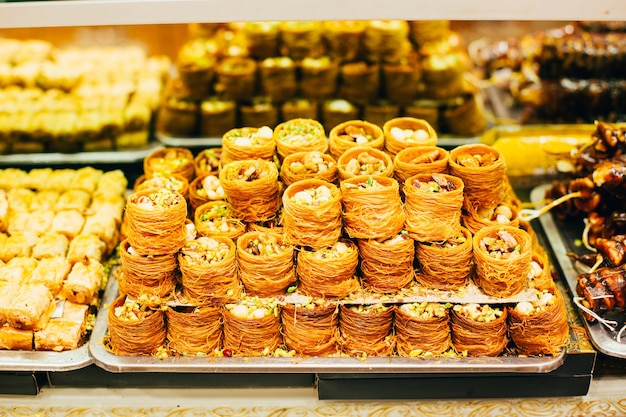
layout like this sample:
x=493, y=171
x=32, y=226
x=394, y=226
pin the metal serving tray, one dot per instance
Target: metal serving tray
x=204, y=142
x=22, y=360
x=115, y=363
x=561, y=238
x=93, y=157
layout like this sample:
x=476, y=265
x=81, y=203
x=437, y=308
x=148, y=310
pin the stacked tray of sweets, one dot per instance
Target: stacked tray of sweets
x=329, y=264
x=59, y=231
x=263, y=73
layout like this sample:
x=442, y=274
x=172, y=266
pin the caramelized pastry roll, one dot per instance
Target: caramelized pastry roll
x=354, y=133
x=52, y=272
x=216, y=218
x=419, y=160
x=209, y=270
x=86, y=179
x=405, y=132
x=50, y=245
x=366, y=330
x=503, y=214
x=372, y=207
x=252, y=327
x=194, y=330
x=482, y=170
x=73, y=199
x=159, y=180
x=156, y=221
x=170, y=161
x=387, y=263
x=150, y=278
x=328, y=272
x=86, y=246
x=318, y=78
x=16, y=339
x=310, y=328
x=297, y=135
x=248, y=143
x=66, y=332
x=312, y=213
x=364, y=160
x=68, y=222
x=207, y=161
x=422, y=329
x=539, y=327
x=266, y=263
x=252, y=189
x=448, y=264
x=307, y=165
x=31, y=307
x=84, y=281
x=502, y=258
x=135, y=329
x=479, y=330
x=433, y=205
x=17, y=245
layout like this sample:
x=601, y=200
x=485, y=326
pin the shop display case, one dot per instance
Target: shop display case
x=567, y=374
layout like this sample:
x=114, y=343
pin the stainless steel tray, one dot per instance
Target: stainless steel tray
x=94, y=157
x=191, y=142
x=603, y=339
x=45, y=361
x=114, y=363
x=443, y=141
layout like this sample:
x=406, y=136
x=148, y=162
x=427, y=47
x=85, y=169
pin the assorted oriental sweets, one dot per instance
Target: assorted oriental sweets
x=329, y=257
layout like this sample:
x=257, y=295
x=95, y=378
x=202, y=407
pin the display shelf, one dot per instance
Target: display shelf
x=124, y=12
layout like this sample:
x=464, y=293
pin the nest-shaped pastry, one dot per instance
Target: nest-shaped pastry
x=156, y=221
x=170, y=161
x=353, y=133
x=207, y=161
x=366, y=330
x=216, y=218
x=482, y=169
x=135, y=329
x=153, y=276
x=298, y=135
x=252, y=327
x=266, y=263
x=252, y=189
x=387, y=264
x=539, y=327
x=204, y=188
x=311, y=328
x=248, y=143
x=328, y=272
x=194, y=330
x=208, y=270
x=364, y=160
x=504, y=214
x=479, y=330
x=173, y=182
x=446, y=265
x=419, y=160
x=432, y=203
x=312, y=213
x=540, y=276
x=372, y=207
x=502, y=257
x=406, y=132
x=422, y=328
x=306, y=165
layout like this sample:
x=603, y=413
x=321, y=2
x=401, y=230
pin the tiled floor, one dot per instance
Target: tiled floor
x=606, y=397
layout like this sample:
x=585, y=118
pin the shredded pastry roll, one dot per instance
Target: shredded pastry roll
x=310, y=328
x=422, y=329
x=251, y=327
x=479, y=330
